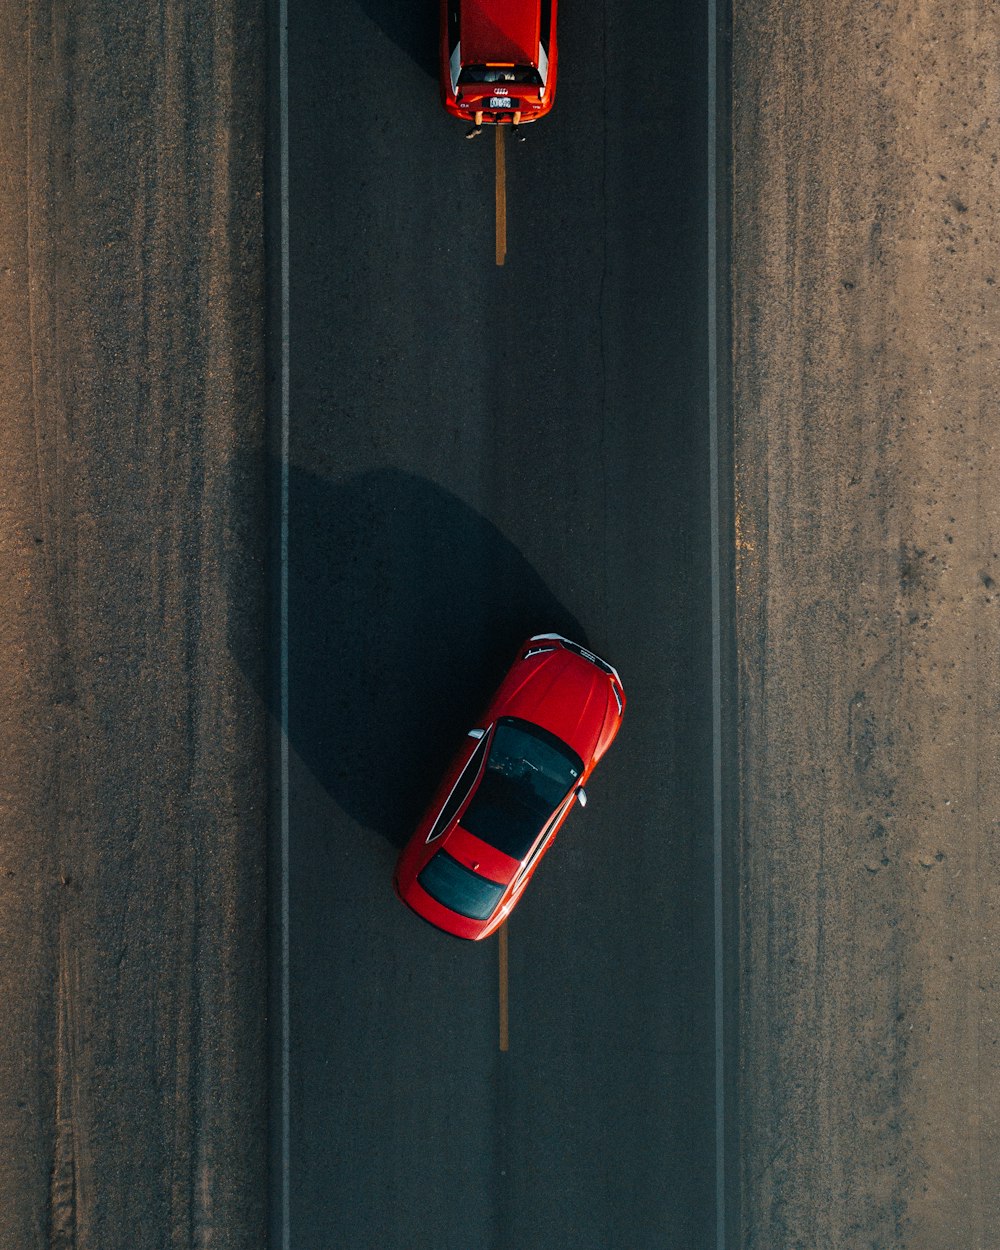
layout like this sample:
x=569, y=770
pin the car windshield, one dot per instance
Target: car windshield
x=458, y=888
x=526, y=75
x=528, y=774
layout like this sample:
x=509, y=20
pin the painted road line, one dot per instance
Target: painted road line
x=283, y=818
x=716, y=561
x=501, y=217
x=504, y=1022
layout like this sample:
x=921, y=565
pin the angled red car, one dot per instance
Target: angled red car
x=510, y=787
x=498, y=60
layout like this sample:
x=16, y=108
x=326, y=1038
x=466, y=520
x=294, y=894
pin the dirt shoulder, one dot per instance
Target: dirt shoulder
x=132, y=1080
x=866, y=302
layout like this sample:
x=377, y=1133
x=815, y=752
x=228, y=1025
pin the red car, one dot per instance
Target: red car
x=498, y=60
x=510, y=787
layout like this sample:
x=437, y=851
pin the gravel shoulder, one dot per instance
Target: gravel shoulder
x=866, y=262
x=132, y=1081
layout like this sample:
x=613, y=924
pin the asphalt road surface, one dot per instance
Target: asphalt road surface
x=478, y=452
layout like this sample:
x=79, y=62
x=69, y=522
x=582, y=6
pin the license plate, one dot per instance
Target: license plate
x=500, y=102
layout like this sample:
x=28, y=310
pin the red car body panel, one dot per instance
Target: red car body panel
x=499, y=34
x=561, y=688
x=558, y=692
x=471, y=851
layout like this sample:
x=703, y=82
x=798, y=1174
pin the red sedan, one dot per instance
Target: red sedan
x=498, y=60
x=510, y=787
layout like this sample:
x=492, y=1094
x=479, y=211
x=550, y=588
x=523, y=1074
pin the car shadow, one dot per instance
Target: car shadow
x=405, y=608
x=412, y=25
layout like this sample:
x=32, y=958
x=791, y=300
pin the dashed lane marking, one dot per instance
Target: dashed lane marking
x=501, y=199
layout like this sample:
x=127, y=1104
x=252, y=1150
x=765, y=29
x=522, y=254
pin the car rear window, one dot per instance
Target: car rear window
x=525, y=75
x=459, y=889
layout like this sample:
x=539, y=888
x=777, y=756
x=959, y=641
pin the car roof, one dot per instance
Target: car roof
x=500, y=31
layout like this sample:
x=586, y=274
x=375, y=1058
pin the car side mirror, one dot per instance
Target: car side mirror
x=477, y=733
x=581, y=796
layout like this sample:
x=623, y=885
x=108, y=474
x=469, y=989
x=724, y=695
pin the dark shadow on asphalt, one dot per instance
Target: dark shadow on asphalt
x=406, y=607
x=412, y=25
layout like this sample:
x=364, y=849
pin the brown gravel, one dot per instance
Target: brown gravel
x=132, y=1084
x=866, y=300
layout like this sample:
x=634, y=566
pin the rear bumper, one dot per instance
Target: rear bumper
x=492, y=117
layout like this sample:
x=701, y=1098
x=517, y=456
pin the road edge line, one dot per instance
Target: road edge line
x=285, y=1111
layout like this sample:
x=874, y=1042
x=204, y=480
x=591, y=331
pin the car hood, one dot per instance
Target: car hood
x=498, y=31
x=565, y=694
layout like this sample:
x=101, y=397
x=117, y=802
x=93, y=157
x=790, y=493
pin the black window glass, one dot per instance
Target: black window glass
x=528, y=774
x=459, y=888
x=526, y=75
x=546, y=24
x=459, y=794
